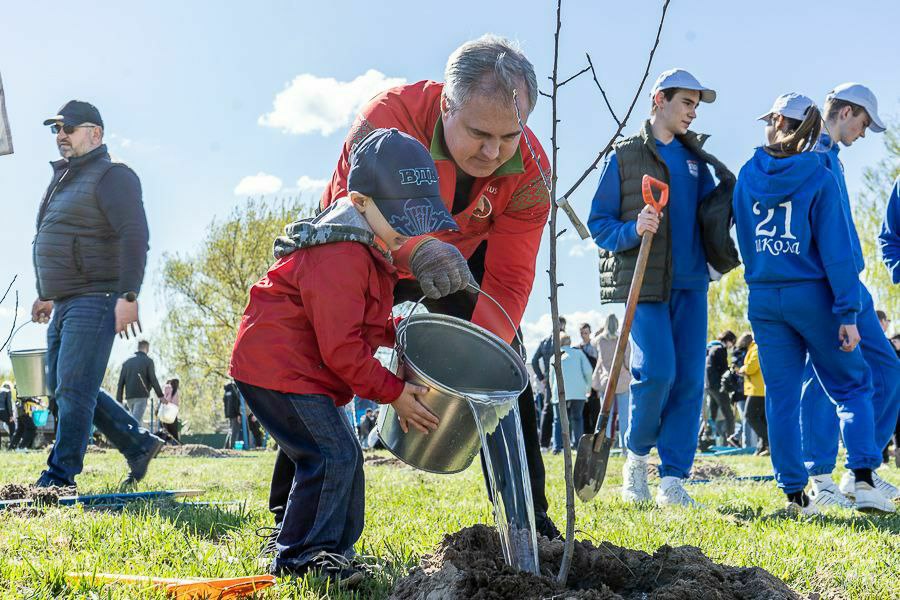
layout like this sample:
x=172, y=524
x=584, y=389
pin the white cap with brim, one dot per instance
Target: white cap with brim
x=791, y=105
x=860, y=95
x=679, y=78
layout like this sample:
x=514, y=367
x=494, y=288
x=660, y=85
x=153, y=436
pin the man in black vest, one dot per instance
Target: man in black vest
x=89, y=255
x=669, y=331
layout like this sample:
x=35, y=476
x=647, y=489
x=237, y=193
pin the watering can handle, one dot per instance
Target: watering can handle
x=477, y=289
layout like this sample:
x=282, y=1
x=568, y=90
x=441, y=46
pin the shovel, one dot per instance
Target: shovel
x=188, y=588
x=593, y=449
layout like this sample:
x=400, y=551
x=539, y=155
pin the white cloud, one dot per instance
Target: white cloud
x=309, y=104
x=585, y=248
x=258, y=185
x=308, y=184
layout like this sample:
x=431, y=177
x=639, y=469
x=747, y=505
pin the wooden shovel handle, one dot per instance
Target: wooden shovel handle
x=648, y=184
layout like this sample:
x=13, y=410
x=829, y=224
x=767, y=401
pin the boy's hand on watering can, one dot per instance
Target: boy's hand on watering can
x=648, y=220
x=41, y=310
x=411, y=411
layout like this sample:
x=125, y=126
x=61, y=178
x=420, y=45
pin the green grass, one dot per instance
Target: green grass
x=841, y=555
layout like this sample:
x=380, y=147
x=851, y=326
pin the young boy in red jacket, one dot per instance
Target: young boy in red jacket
x=307, y=339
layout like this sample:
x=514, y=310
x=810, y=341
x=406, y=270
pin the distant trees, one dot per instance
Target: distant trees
x=205, y=294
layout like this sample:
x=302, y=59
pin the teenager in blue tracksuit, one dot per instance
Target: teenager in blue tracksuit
x=849, y=110
x=668, y=336
x=890, y=234
x=804, y=297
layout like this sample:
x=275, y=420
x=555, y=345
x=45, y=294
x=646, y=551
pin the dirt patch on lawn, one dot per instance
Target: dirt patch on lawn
x=46, y=496
x=198, y=451
x=469, y=565
x=383, y=461
x=700, y=470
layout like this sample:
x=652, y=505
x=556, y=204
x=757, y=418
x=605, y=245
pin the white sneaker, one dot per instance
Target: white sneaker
x=825, y=493
x=634, y=479
x=888, y=490
x=869, y=499
x=806, y=511
x=672, y=493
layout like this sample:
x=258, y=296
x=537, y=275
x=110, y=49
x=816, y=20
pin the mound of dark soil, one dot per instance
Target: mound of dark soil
x=197, y=451
x=383, y=461
x=700, y=470
x=469, y=565
x=47, y=496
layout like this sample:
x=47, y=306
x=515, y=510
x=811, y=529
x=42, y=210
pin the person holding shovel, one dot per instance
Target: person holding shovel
x=668, y=337
x=850, y=109
x=494, y=189
x=805, y=298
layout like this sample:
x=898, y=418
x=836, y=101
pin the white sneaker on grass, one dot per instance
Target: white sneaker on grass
x=888, y=490
x=634, y=479
x=825, y=493
x=870, y=499
x=672, y=493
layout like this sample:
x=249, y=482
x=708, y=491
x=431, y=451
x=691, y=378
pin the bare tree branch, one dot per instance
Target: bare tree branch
x=637, y=94
x=15, y=316
x=602, y=91
x=581, y=72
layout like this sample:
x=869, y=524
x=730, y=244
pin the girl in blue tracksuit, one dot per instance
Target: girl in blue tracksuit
x=804, y=298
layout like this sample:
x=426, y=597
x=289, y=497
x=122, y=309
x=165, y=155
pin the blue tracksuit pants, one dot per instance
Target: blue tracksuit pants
x=818, y=420
x=668, y=358
x=787, y=323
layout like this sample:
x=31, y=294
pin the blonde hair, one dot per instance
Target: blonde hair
x=800, y=136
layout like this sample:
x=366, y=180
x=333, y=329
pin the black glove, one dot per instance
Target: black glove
x=439, y=268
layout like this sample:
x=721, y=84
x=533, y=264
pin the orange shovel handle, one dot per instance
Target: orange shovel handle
x=648, y=184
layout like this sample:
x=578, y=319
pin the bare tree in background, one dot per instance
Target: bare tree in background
x=550, y=180
x=12, y=327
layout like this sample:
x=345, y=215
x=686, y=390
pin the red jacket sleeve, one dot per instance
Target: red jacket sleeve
x=334, y=300
x=512, y=250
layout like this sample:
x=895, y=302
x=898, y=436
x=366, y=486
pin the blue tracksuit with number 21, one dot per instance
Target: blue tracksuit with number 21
x=795, y=242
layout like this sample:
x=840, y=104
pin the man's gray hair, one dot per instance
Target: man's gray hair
x=493, y=66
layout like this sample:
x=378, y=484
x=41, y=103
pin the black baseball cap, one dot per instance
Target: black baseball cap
x=398, y=173
x=76, y=112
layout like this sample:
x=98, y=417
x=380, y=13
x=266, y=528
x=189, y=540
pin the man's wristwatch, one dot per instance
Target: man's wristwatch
x=129, y=296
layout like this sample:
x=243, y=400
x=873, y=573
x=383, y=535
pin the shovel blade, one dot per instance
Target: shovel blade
x=590, y=464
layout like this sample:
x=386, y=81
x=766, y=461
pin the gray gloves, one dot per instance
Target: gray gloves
x=439, y=268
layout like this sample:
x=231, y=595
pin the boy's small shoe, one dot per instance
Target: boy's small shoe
x=806, y=511
x=138, y=466
x=634, y=480
x=826, y=493
x=671, y=492
x=870, y=499
x=334, y=567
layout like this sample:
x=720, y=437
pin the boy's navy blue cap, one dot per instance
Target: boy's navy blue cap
x=76, y=112
x=398, y=173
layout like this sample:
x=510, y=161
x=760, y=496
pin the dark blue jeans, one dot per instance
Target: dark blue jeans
x=326, y=507
x=79, y=341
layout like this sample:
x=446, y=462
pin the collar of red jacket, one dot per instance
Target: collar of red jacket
x=514, y=166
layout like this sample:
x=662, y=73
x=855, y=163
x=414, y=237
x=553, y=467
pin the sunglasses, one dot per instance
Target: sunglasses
x=68, y=129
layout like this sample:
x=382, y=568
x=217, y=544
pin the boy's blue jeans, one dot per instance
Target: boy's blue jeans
x=79, y=340
x=326, y=507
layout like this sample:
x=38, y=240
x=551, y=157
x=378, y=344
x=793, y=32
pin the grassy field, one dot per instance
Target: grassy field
x=840, y=555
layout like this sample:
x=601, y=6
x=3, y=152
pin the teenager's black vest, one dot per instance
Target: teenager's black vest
x=637, y=156
x=76, y=250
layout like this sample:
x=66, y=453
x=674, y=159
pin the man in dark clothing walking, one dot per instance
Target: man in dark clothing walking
x=716, y=366
x=137, y=378
x=89, y=255
x=540, y=362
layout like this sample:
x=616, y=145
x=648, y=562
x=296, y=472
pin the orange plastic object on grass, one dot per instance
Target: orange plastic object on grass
x=185, y=588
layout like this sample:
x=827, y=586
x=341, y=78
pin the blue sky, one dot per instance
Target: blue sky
x=188, y=91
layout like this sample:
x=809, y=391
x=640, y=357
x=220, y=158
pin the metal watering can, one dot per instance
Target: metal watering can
x=450, y=356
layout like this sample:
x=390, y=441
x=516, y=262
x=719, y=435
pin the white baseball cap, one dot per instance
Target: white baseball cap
x=679, y=78
x=791, y=105
x=860, y=95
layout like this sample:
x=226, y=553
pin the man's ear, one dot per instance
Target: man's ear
x=658, y=99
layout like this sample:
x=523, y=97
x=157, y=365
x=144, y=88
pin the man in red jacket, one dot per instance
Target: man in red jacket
x=491, y=184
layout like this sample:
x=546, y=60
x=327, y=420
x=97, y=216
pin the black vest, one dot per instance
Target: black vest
x=637, y=156
x=75, y=250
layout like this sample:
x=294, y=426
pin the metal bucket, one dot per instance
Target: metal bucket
x=30, y=369
x=447, y=354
